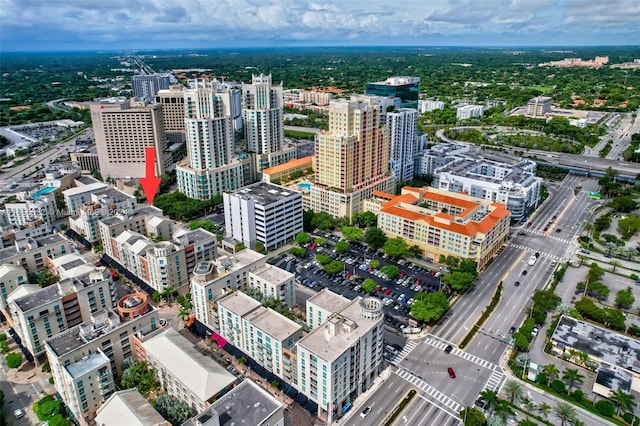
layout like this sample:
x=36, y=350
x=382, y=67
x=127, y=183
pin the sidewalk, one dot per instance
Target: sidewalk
x=386, y=373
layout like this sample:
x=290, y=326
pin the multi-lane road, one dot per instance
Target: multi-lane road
x=423, y=363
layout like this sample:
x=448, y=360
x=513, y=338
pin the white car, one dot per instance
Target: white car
x=19, y=413
x=365, y=412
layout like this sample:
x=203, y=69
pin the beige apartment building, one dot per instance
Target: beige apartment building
x=172, y=101
x=352, y=157
x=123, y=131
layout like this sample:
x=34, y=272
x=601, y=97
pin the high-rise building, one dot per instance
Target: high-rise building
x=262, y=120
x=172, y=101
x=211, y=166
x=262, y=105
x=123, y=131
x=263, y=212
x=11, y=277
x=145, y=87
x=404, y=89
x=403, y=128
x=352, y=157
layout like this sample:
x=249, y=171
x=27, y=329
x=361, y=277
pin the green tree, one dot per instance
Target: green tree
x=390, y=271
x=429, y=307
x=298, y=251
x=368, y=285
x=342, y=247
x=472, y=417
x=204, y=224
x=58, y=420
x=544, y=408
x=595, y=273
x=565, y=412
x=303, y=238
x=551, y=372
x=323, y=259
x=334, y=267
x=395, y=247
x=374, y=263
x=624, y=203
x=468, y=266
x=527, y=422
x=459, y=281
x=139, y=376
x=625, y=299
x=622, y=400
x=14, y=360
x=364, y=219
x=572, y=376
x=490, y=398
x=514, y=390
x=323, y=221
x=352, y=233
x=46, y=408
x=375, y=238
x=320, y=241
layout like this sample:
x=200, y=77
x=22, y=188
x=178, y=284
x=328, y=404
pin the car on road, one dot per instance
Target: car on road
x=163, y=322
x=558, y=230
x=524, y=272
x=537, y=254
x=546, y=228
x=18, y=413
x=452, y=373
x=448, y=349
x=512, y=330
x=517, y=283
x=365, y=412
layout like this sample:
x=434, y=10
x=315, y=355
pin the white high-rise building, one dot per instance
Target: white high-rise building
x=403, y=127
x=262, y=104
x=263, y=212
x=211, y=167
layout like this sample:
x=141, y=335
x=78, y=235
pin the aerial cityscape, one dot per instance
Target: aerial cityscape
x=298, y=213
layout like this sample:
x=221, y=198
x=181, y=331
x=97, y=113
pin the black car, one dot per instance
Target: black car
x=537, y=254
x=524, y=272
x=512, y=330
x=558, y=230
x=517, y=283
x=448, y=349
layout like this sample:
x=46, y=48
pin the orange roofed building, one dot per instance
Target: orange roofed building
x=293, y=165
x=443, y=223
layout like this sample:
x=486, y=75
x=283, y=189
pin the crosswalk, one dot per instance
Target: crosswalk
x=447, y=403
x=462, y=354
x=544, y=234
x=543, y=254
x=411, y=344
x=494, y=380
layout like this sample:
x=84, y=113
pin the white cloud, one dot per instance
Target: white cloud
x=409, y=21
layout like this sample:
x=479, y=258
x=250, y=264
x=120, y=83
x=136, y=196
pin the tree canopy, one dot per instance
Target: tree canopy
x=342, y=247
x=429, y=307
x=459, y=281
x=204, y=224
x=178, y=206
x=390, y=271
x=334, y=267
x=368, y=285
x=375, y=238
x=395, y=247
x=303, y=237
x=352, y=233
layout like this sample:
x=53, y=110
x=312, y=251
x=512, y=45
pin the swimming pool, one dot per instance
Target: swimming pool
x=305, y=185
x=43, y=191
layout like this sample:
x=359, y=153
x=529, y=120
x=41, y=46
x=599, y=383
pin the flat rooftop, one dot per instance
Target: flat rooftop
x=246, y=404
x=491, y=171
x=265, y=193
x=330, y=346
x=328, y=300
x=273, y=274
x=272, y=323
x=607, y=346
x=39, y=298
x=614, y=378
x=33, y=243
x=128, y=407
x=196, y=236
x=87, y=364
x=239, y=303
x=90, y=187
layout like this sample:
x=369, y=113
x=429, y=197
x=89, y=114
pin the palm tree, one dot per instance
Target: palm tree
x=504, y=411
x=528, y=403
x=490, y=398
x=544, y=408
x=614, y=264
x=514, y=390
x=551, y=371
x=623, y=400
x=572, y=376
x=582, y=357
x=527, y=422
x=565, y=412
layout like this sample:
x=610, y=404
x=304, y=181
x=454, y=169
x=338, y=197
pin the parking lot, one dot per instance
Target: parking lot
x=397, y=294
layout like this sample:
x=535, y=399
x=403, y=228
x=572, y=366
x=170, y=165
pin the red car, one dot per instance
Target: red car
x=378, y=287
x=546, y=228
x=387, y=291
x=402, y=274
x=452, y=373
x=313, y=246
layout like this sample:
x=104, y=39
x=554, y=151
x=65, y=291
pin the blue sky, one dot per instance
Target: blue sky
x=50, y=25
